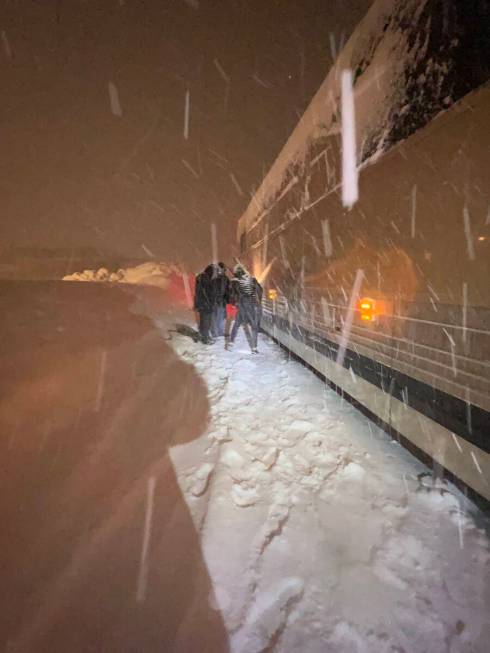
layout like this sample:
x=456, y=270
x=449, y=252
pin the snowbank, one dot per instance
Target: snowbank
x=146, y=274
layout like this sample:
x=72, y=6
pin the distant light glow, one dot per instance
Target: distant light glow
x=367, y=309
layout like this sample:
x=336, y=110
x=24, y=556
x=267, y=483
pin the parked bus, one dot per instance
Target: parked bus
x=389, y=299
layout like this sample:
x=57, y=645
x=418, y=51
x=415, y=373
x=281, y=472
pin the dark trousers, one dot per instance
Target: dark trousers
x=218, y=321
x=249, y=317
x=205, y=318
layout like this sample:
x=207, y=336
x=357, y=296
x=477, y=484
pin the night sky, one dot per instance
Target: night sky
x=73, y=174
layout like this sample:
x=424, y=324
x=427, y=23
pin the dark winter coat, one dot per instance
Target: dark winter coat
x=204, y=294
x=232, y=295
x=220, y=289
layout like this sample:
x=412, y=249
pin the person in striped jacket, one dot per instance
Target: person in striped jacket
x=248, y=293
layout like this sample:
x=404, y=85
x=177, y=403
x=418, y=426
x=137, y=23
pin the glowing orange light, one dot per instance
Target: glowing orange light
x=481, y=238
x=272, y=294
x=367, y=310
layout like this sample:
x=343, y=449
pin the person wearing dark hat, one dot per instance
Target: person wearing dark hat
x=249, y=297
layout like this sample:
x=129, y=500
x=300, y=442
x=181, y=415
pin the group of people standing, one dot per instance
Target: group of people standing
x=224, y=297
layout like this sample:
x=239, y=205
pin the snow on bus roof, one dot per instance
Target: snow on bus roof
x=378, y=52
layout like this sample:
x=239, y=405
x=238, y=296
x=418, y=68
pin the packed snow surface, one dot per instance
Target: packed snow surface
x=320, y=533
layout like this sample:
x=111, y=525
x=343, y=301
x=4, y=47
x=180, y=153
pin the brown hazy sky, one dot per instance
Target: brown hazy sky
x=73, y=174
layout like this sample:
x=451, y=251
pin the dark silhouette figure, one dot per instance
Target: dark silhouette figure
x=204, y=302
x=248, y=293
x=98, y=551
x=220, y=299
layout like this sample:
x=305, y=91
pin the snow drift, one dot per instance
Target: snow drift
x=150, y=273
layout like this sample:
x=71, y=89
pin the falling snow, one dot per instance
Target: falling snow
x=346, y=330
x=6, y=45
x=470, y=246
x=414, y=211
x=350, y=191
x=187, y=109
x=143, y=571
x=114, y=100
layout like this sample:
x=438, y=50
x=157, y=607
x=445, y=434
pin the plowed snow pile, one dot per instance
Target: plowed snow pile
x=319, y=532
x=146, y=274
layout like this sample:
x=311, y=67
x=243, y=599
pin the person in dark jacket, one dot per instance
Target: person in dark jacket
x=220, y=294
x=248, y=292
x=204, y=302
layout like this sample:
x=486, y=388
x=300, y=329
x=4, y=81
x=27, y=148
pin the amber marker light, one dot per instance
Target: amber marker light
x=367, y=310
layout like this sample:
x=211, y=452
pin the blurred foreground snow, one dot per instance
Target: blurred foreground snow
x=318, y=531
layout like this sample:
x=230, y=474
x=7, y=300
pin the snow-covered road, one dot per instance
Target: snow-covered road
x=317, y=530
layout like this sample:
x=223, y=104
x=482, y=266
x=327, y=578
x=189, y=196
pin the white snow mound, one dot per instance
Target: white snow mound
x=150, y=273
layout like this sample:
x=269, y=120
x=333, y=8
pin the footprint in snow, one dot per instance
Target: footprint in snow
x=200, y=479
x=276, y=519
x=241, y=470
x=267, y=456
x=268, y=617
x=220, y=435
x=244, y=496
